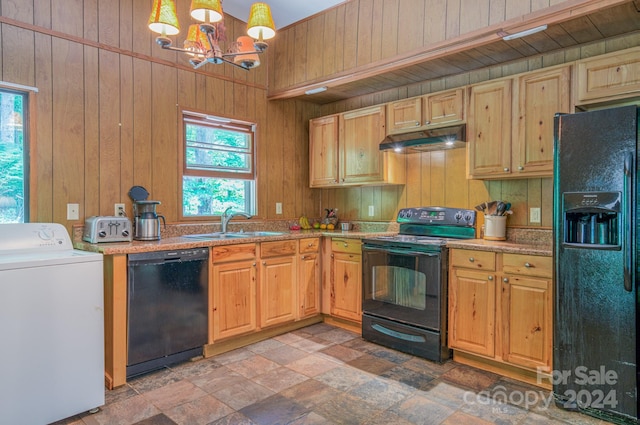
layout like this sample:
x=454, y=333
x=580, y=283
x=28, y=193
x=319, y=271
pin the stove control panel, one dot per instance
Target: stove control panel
x=438, y=215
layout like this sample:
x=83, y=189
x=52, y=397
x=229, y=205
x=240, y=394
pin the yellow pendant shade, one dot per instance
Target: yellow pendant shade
x=196, y=40
x=260, y=25
x=163, y=19
x=206, y=10
x=245, y=44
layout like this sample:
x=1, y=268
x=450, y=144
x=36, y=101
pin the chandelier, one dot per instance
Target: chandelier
x=203, y=39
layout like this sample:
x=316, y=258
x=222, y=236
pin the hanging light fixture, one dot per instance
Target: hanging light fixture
x=203, y=39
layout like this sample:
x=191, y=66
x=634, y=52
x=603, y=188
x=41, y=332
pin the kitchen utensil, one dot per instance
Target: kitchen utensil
x=147, y=221
x=481, y=207
x=491, y=208
x=501, y=208
x=107, y=229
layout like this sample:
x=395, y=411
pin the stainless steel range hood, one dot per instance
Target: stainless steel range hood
x=426, y=140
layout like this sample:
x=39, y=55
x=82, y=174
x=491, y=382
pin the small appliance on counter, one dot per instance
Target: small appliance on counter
x=146, y=221
x=107, y=229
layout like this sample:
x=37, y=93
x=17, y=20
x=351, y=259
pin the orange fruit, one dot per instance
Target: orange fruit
x=323, y=226
x=330, y=226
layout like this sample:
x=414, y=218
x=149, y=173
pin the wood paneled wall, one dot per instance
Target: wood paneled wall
x=109, y=102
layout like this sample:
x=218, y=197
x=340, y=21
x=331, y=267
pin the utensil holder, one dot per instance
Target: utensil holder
x=495, y=227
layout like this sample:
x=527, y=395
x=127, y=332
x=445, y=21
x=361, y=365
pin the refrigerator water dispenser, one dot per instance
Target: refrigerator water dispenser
x=591, y=219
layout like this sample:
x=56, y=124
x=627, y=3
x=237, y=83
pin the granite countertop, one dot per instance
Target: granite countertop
x=502, y=246
x=182, y=242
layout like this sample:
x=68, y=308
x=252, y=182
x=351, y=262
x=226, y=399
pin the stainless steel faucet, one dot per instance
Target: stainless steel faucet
x=228, y=215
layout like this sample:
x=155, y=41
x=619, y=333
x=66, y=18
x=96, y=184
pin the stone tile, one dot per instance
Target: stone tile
x=420, y=410
x=153, y=380
x=317, y=328
x=174, y=394
x=201, y=411
x=493, y=411
x=160, y=419
x=536, y=419
x=284, y=354
x=459, y=418
x=117, y=394
x=344, y=378
x=391, y=355
x=448, y=394
x=266, y=345
x=347, y=409
x=387, y=418
x=310, y=345
x=382, y=393
x=361, y=345
x=337, y=336
x=520, y=394
x=253, y=366
x=129, y=411
x=311, y=418
x=342, y=353
x=313, y=365
x=196, y=368
x=274, y=410
x=234, y=356
x=280, y=379
x=310, y=393
x=371, y=364
x=288, y=338
x=471, y=378
x=429, y=367
x=242, y=393
x=217, y=379
x=233, y=419
x=413, y=378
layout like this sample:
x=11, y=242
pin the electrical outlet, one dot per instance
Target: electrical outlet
x=73, y=211
x=371, y=211
x=278, y=207
x=119, y=210
x=534, y=215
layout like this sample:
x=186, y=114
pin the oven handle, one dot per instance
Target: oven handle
x=399, y=251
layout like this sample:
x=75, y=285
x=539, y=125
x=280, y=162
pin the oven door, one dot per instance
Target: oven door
x=403, y=285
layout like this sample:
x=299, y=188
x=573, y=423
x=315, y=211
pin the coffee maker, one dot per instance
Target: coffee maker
x=146, y=224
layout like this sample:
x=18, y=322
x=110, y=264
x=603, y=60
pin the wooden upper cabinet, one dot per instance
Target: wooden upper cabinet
x=489, y=130
x=345, y=150
x=608, y=77
x=433, y=110
x=540, y=96
x=323, y=151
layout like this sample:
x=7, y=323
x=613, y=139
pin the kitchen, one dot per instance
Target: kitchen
x=116, y=121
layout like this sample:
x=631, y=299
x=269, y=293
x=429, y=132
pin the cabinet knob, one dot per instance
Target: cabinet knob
x=520, y=167
x=471, y=259
x=417, y=123
x=490, y=278
x=254, y=264
x=303, y=257
x=332, y=255
x=505, y=280
x=427, y=122
x=346, y=244
x=506, y=169
x=527, y=265
x=264, y=263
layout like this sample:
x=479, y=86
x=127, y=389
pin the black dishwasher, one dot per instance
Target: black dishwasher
x=166, y=308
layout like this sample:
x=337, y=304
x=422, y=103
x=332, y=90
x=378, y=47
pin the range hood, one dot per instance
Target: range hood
x=426, y=140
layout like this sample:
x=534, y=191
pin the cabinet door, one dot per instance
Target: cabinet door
x=404, y=115
x=489, y=130
x=540, y=96
x=527, y=321
x=323, y=151
x=278, y=296
x=346, y=286
x=360, y=135
x=472, y=309
x=608, y=77
x=309, y=285
x=443, y=108
x=234, y=298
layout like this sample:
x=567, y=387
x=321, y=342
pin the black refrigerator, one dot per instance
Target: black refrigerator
x=595, y=253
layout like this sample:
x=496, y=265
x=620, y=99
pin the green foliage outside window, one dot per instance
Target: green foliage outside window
x=12, y=158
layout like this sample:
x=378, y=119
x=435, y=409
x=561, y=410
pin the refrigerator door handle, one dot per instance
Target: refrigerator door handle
x=628, y=240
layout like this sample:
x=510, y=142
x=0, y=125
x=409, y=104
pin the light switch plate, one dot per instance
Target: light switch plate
x=73, y=211
x=278, y=207
x=371, y=211
x=534, y=215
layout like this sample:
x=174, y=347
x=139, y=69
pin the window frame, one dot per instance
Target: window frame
x=190, y=116
x=28, y=149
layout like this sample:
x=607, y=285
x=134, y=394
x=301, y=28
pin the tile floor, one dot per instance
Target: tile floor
x=324, y=375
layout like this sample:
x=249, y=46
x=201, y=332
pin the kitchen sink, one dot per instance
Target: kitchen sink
x=256, y=234
x=217, y=235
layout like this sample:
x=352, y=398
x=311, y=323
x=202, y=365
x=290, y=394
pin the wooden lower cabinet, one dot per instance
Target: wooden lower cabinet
x=346, y=279
x=309, y=277
x=234, y=290
x=500, y=313
x=278, y=281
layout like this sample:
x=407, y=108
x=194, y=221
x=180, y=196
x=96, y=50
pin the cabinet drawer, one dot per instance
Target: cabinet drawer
x=349, y=246
x=527, y=265
x=471, y=259
x=221, y=254
x=309, y=245
x=277, y=248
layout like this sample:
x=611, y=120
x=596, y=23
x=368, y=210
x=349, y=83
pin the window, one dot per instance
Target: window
x=14, y=157
x=218, y=169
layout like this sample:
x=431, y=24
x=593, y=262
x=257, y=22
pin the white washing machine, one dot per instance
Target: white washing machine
x=51, y=325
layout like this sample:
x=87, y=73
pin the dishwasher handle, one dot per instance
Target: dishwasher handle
x=163, y=257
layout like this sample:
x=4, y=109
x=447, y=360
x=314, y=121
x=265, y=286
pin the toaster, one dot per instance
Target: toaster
x=107, y=229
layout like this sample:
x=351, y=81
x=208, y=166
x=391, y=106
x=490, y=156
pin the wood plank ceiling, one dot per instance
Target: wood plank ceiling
x=599, y=25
